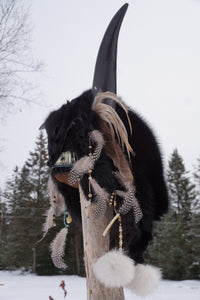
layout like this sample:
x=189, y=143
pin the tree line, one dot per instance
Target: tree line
x=24, y=201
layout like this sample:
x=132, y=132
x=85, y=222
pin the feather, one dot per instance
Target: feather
x=57, y=248
x=101, y=198
x=49, y=220
x=80, y=168
x=97, y=137
x=114, y=151
x=130, y=201
x=83, y=165
x=59, y=206
x=108, y=114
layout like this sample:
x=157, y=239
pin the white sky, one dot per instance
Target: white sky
x=158, y=69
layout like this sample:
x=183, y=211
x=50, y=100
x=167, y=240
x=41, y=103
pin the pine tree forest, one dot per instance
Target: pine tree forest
x=24, y=201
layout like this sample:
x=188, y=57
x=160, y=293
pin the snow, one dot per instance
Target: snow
x=14, y=285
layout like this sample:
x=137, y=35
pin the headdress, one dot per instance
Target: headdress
x=91, y=145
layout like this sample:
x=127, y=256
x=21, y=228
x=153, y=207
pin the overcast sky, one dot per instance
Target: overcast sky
x=158, y=69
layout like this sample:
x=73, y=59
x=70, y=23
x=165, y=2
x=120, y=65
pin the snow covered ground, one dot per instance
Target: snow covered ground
x=31, y=287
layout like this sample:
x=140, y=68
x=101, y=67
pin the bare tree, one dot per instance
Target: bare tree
x=15, y=55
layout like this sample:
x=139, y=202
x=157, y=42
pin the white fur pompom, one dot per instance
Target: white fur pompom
x=146, y=280
x=114, y=269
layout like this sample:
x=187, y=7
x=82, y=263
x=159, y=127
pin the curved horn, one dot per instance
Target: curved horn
x=105, y=69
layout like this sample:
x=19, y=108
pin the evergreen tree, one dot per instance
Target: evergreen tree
x=3, y=227
x=174, y=248
x=28, y=200
x=8, y=253
x=196, y=223
x=197, y=179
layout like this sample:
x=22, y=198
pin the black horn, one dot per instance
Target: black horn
x=105, y=69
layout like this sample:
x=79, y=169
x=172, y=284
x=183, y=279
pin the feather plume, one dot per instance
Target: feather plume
x=130, y=201
x=83, y=165
x=80, y=168
x=101, y=198
x=56, y=208
x=114, y=151
x=57, y=248
x=49, y=220
x=109, y=115
x=60, y=202
x=97, y=137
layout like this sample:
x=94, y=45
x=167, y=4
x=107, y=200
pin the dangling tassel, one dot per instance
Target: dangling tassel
x=57, y=247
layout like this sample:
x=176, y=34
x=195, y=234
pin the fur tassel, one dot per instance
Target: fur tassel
x=57, y=248
x=145, y=281
x=114, y=269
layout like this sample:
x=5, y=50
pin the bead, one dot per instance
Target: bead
x=69, y=219
x=90, y=171
x=90, y=147
x=90, y=195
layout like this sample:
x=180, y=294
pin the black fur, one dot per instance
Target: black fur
x=68, y=129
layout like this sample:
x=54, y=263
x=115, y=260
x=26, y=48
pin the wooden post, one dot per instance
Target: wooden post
x=95, y=245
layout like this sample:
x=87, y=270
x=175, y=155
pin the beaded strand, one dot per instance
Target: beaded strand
x=89, y=173
x=113, y=202
x=54, y=211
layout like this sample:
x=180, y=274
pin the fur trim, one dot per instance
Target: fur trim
x=57, y=248
x=146, y=280
x=114, y=269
